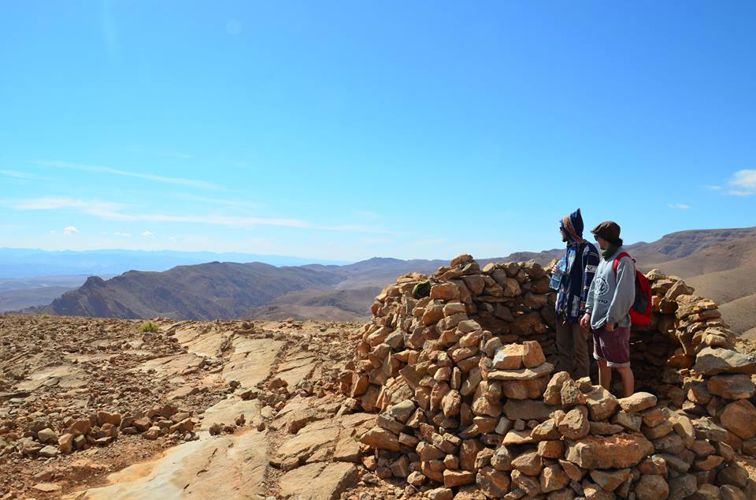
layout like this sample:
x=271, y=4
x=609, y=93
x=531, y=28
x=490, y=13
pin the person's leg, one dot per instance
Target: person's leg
x=565, y=347
x=605, y=374
x=616, y=348
x=628, y=380
x=581, y=362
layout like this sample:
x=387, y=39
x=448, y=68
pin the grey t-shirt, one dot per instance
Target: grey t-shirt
x=611, y=295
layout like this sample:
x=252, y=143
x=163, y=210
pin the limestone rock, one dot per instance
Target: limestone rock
x=610, y=480
x=739, y=417
x=454, y=478
x=601, y=403
x=318, y=481
x=731, y=386
x=47, y=436
x=532, y=356
x=542, y=370
x=652, y=487
x=493, y=483
x=440, y=494
x=528, y=463
x=509, y=357
x=552, y=394
x=614, y=452
x=553, y=478
x=637, y=402
x=682, y=487
x=575, y=425
x=713, y=361
x=49, y=451
x=381, y=439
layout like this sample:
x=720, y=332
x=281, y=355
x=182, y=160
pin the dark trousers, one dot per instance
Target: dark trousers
x=572, y=347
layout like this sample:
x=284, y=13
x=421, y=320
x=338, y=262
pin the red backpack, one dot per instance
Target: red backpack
x=640, y=313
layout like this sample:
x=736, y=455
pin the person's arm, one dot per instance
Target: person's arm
x=590, y=261
x=585, y=321
x=624, y=292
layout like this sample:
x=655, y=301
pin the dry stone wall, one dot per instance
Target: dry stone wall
x=470, y=401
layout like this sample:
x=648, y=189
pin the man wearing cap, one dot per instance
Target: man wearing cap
x=572, y=278
x=607, y=310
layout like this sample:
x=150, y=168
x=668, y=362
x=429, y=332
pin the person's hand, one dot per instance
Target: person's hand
x=609, y=327
x=585, y=321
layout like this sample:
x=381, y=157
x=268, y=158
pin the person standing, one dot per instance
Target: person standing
x=607, y=310
x=572, y=279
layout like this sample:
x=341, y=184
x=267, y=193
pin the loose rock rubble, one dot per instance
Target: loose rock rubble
x=470, y=404
x=81, y=398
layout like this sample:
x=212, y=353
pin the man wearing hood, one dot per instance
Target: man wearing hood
x=571, y=279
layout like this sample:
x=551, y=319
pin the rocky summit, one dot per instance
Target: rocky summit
x=451, y=390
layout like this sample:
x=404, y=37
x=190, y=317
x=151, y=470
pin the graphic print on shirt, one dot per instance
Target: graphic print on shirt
x=601, y=289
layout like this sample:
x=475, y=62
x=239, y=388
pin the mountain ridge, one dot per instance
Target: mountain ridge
x=225, y=290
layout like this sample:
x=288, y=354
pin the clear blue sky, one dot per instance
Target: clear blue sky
x=346, y=130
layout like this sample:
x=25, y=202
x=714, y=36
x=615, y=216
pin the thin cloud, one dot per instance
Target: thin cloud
x=69, y=230
x=115, y=212
x=15, y=174
x=743, y=183
x=679, y=206
x=713, y=187
x=148, y=234
x=91, y=207
x=99, y=169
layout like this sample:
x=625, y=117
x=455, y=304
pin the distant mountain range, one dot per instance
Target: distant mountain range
x=20, y=263
x=720, y=263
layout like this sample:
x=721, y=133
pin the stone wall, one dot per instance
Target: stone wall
x=470, y=399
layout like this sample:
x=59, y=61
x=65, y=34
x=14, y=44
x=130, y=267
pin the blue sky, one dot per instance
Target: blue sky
x=346, y=130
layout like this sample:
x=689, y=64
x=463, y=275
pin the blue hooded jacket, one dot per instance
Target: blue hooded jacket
x=578, y=267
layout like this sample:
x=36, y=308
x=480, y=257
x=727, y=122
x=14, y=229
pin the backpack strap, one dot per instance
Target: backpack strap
x=615, y=264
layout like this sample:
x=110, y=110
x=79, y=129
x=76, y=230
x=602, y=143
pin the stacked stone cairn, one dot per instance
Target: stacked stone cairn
x=471, y=405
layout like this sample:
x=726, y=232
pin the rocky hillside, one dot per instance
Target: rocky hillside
x=109, y=408
x=225, y=290
x=718, y=264
x=205, y=291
